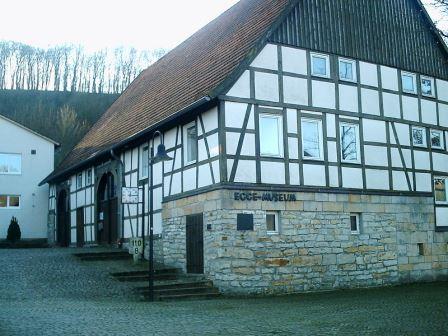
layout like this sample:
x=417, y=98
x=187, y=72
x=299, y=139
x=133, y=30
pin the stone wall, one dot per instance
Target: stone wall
x=315, y=249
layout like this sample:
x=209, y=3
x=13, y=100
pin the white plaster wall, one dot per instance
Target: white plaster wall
x=376, y=156
x=32, y=215
x=421, y=160
x=267, y=58
x=331, y=125
x=442, y=216
x=323, y=94
x=410, y=108
x=377, y=179
x=294, y=174
x=295, y=90
x=333, y=176
x=273, y=172
x=348, y=98
x=352, y=178
x=292, y=120
x=294, y=61
x=443, y=115
x=189, y=179
x=440, y=162
x=314, y=175
x=429, y=112
x=442, y=89
x=399, y=181
x=266, y=86
x=241, y=88
x=423, y=182
x=370, y=102
x=389, y=78
x=391, y=105
x=374, y=130
x=368, y=74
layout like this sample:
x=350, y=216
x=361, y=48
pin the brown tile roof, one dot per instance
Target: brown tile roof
x=194, y=69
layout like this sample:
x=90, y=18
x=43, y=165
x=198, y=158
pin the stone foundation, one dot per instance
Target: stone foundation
x=314, y=249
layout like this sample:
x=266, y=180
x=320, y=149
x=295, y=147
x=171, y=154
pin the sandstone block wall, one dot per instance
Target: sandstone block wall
x=314, y=249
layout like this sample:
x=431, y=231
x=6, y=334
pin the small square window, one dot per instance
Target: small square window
x=33, y=152
x=3, y=201
x=347, y=70
x=355, y=222
x=427, y=85
x=408, y=82
x=440, y=192
x=437, y=139
x=419, y=136
x=14, y=201
x=350, y=147
x=79, y=181
x=320, y=65
x=272, y=222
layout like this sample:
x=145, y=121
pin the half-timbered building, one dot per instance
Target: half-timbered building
x=309, y=145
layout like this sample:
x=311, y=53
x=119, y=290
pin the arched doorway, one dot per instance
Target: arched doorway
x=63, y=220
x=107, y=228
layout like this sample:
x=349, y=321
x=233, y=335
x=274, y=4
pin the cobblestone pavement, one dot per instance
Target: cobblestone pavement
x=49, y=292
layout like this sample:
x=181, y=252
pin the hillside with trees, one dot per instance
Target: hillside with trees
x=62, y=91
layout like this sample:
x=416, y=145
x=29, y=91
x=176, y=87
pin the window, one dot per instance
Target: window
x=89, y=177
x=10, y=164
x=355, y=223
x=427, y=85
x=347, y=70
x=79, y=181
x=419, y=136
x=191, y=149
x=408, y=82
x=9, y=202
x=272, y=223
x=320, y=65
x=33, y=152
x=440, y=191
x=271, y=131
x=437, y=139
x=312, y=139
x=350, y=147
x=144, y=162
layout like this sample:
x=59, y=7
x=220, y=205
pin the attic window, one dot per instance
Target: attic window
x=408, y=81
x=320, y=65
x=347, y=70
x=427, y=85
x=33, y=152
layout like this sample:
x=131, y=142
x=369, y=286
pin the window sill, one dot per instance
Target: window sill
x=353, y=81
x=313, y=159
x=320, y=76
x=272, y=233
x=187, y=164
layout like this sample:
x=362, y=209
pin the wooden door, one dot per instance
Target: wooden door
x=195, y=244
x=80, y=227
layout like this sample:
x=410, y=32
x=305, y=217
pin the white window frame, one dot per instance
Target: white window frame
x=79, y=185
x=358, y=223
x=442, y=142
x=446, y=190
x=89, y=177
x=425, y=142
x=142, y=174
x=414, y=80
x=13, y=173
x=354, y=72
x=279, y=119
x=327, y=65
x=8, y=206
x=321, y=140
x=433, y=88
x=277, y=222
x=185, y=145
x=358, y=144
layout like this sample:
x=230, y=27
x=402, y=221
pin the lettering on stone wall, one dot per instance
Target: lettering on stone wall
x=265, y=197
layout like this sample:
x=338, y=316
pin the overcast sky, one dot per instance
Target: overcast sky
x=96, y=24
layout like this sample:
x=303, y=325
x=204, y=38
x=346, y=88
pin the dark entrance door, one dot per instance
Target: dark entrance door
x=80, y=227
x=63, y=222
x=195, y=244
x=107, y=228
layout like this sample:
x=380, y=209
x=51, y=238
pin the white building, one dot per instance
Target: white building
x=25, y=158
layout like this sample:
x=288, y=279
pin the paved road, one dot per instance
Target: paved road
x=48, y=292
